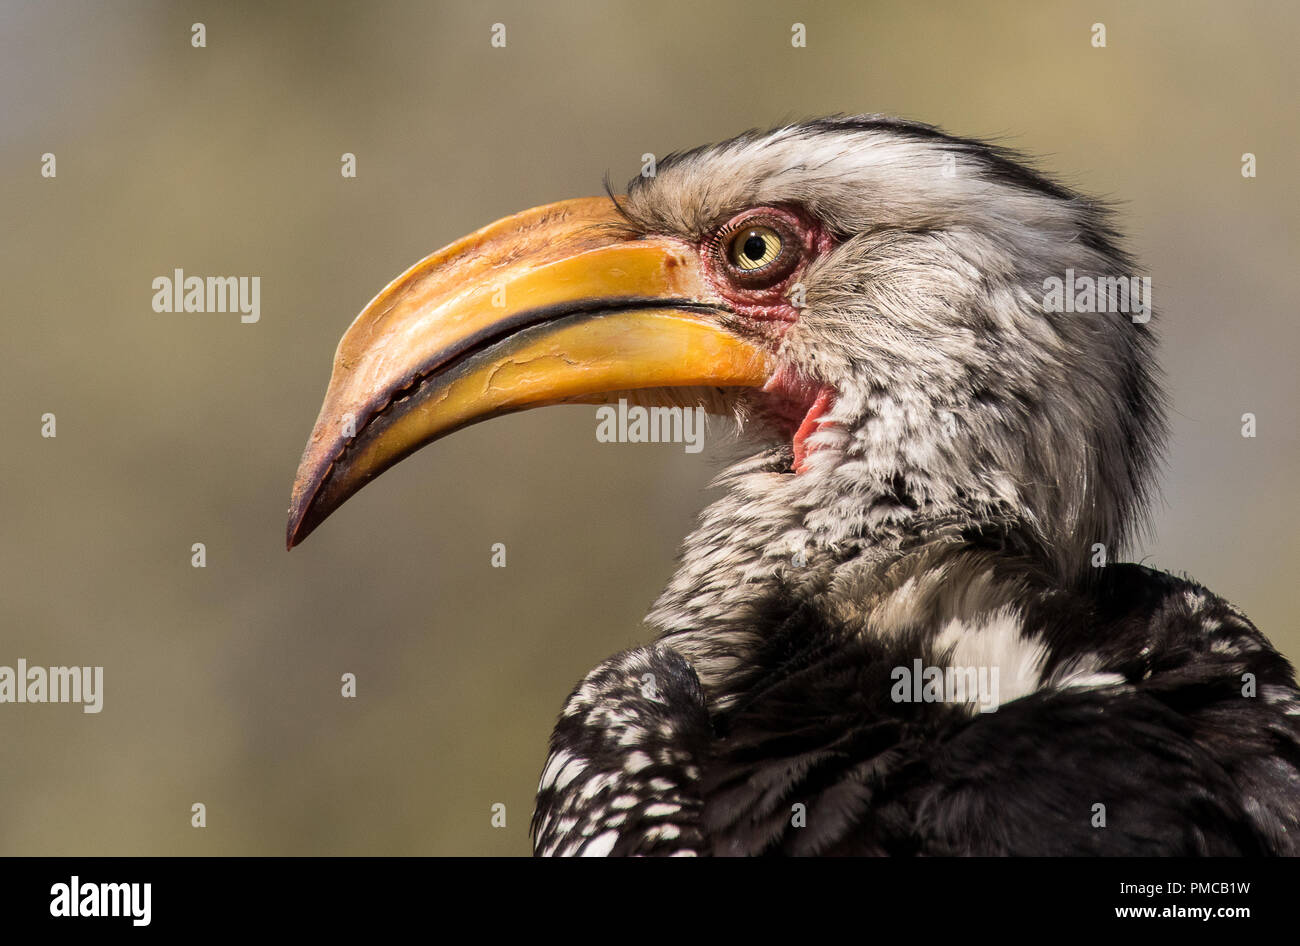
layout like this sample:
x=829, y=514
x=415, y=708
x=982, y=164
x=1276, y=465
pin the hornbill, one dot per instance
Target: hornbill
x=945, y=469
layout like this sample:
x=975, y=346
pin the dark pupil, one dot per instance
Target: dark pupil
x=755, y=246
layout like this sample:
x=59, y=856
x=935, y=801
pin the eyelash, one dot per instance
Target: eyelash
x=730, y=229
x=718, y=243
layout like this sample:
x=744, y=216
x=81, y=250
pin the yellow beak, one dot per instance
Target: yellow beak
x=558, y=304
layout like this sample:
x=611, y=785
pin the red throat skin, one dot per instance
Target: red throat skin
x=803, y=403
x=811, y=422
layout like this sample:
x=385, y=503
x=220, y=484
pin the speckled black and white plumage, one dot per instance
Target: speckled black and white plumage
x=624, y=774
x=978, y=451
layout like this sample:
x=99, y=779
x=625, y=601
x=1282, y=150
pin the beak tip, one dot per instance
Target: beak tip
x=304, y=517
x=308, y=507
x=300, y=526
x=291, y=537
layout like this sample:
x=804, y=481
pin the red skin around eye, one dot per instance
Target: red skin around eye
x=793, y=399
x=769, y=303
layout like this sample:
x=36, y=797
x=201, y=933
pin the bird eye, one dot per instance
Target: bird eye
x=758, y=249
x=752, y=248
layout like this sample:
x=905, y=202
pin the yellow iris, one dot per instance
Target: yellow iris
x=753, y=248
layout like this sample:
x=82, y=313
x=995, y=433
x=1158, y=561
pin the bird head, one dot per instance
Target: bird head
x=866, y=295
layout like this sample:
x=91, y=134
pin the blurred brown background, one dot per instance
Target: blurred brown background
x=222, y=684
